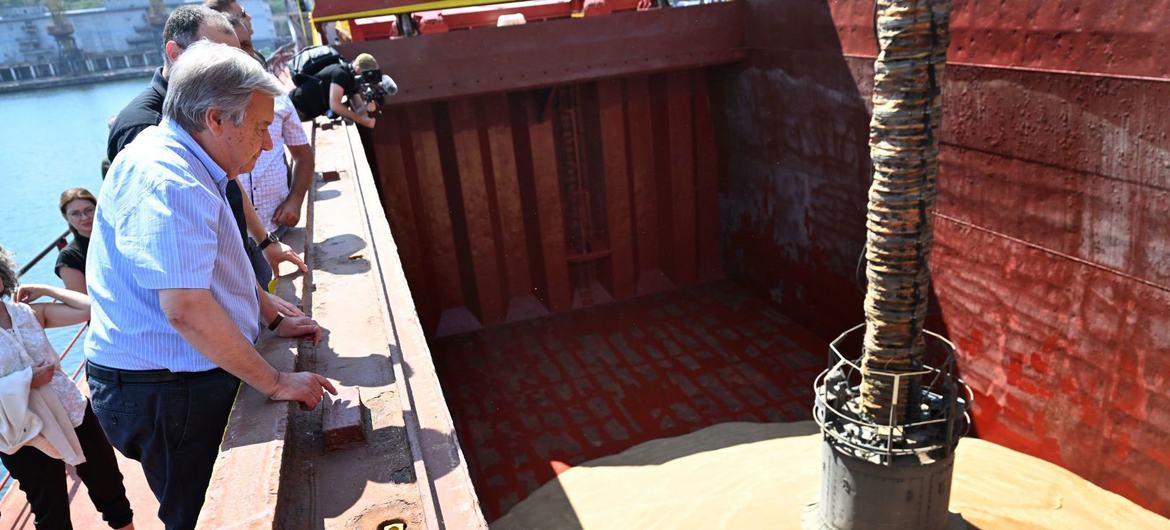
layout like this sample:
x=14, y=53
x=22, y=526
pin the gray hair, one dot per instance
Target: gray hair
x=184, y=22
x=214, y=76
x=7, y=273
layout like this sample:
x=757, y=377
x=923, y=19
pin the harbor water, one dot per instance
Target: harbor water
x=51, y=140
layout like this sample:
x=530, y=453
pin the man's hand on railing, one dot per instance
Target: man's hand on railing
x=278, y=252
x=306, y=387
x=299, y=327
x=285, y=307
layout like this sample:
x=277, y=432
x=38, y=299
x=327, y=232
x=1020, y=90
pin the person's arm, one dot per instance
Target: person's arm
x=73, y=309
x=276, y=252
x=336, y=92
x=196, y=315
x=73, y=279
x=281, y=305
x=297, y=325
x=289, y=211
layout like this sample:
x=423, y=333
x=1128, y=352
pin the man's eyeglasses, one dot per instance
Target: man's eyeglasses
x=78, y=215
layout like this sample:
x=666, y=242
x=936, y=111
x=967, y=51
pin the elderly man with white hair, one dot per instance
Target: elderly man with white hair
x=175, y=313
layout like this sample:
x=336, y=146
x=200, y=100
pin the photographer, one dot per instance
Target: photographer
x=326, y=88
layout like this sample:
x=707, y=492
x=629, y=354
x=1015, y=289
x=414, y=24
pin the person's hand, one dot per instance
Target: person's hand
x=278, y=252
x=299, y=327
x=285, y=307
x=288, y=213
x=42, y=374
x=27, y=293
x=305, y=387
x=367, y=121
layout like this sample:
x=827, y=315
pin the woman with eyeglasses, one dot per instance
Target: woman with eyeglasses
x=77, y=206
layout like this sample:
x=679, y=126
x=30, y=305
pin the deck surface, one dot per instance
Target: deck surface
x=16, y=515
x=533, y=399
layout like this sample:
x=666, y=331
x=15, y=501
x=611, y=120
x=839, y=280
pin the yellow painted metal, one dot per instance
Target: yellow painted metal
x=421, y=6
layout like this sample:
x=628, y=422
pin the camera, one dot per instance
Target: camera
x=375, y=86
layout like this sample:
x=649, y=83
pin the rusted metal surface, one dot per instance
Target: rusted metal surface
x=1051, y=262
x=342, y=419
x=795, y=129
x=448, y=499
x=1109, y=38
x=491, y=60
x=333, y=10
x=488, y=16
x=513, y=207
x=1061, y=182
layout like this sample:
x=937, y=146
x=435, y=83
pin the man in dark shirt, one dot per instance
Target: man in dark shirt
x=331, y=86
x=185, y=26
x=341, y=75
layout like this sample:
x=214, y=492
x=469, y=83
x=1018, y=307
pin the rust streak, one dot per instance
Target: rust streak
x=1052, y=252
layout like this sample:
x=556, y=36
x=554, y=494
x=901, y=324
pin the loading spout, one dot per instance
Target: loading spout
x=890, y=405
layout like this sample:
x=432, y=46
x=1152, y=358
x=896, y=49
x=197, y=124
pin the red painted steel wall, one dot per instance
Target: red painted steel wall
x=507, y=207
x=1052, y=259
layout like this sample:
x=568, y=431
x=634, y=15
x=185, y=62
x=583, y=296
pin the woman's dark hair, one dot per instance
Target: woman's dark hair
x=7, y=273
x=73, y=194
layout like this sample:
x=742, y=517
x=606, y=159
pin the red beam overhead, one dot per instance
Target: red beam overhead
x=332, y=10
x=488, y=60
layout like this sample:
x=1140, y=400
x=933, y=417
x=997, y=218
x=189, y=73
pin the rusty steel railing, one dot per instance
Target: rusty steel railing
x=58, y=244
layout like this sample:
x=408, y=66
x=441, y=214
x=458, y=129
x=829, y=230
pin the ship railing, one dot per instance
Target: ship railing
x=58, y=244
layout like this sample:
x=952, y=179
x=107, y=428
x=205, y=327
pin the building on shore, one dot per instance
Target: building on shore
x=119, y=36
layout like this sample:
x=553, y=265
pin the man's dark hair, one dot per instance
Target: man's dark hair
x=218, y=5
x=184, y=22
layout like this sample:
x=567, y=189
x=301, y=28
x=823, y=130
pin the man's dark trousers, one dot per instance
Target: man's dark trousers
x=173, y=428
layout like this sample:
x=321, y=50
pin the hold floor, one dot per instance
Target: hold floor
x=530, y=400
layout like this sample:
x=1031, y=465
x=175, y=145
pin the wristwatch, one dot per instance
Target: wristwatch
x=275, y=322
x=268, y=241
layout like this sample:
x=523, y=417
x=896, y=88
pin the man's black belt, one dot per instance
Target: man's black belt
x=115, y=375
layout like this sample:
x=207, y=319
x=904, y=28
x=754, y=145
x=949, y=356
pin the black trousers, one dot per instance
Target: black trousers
x=42, y=479
x=174, y=429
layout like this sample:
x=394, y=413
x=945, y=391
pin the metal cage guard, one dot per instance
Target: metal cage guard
x=931, y=432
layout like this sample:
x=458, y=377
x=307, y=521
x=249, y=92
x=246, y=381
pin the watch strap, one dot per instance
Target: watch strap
x=270, y=239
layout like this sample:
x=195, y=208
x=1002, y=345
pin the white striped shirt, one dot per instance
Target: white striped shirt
x=163, y=223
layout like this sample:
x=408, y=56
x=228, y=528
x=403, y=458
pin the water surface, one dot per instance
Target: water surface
x=51, y=140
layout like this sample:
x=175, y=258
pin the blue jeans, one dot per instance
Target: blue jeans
x=174, y=429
